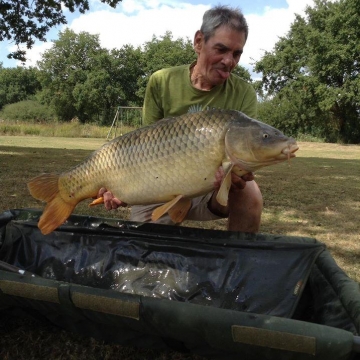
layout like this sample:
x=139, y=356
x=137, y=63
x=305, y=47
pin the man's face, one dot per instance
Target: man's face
x=219, y=55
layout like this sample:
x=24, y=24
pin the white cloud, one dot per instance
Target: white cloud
x=265, y=29
x=131, y=6
x=136, y=21
x=182, y=20
x=34, y=54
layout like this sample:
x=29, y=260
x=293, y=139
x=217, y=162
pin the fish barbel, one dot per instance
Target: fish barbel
x=171, y=162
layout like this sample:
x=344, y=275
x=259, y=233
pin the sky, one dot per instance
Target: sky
x=136, y=21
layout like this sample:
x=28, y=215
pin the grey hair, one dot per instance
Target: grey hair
x=223, y=15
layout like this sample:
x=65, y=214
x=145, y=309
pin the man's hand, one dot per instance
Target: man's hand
x=236, y=190
x=237, y=182
x=110, y=201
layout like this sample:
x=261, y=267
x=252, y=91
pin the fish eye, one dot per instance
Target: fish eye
x=265, y=136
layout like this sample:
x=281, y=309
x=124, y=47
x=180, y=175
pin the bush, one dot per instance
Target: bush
x=29, y=111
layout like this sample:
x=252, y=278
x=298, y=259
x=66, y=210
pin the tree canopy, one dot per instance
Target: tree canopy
x=311, y=78
x=80, y=78
x=17, y=84
x=63, y=70
x=24, y=22
x=164, y=52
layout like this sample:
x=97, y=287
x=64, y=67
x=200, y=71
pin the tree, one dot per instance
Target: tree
x=242, y=72
x=23, y=22
x=65, y=68
x=315, y=68
x=111, y=82
x=164, y=52
x=125, y=72
x=82, y=79
x=17, y=84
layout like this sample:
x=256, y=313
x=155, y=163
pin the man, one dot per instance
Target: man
x=207, y=83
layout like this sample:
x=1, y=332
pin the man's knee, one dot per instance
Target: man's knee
x=245, y=209
x=250, y=197
x=255, y=195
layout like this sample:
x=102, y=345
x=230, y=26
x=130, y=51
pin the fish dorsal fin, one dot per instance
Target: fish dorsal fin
x=195, y=108
x=223, y=192
x=163, y=209
x=198, y=108
x=179, y=211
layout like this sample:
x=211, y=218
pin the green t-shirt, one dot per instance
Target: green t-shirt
x=170, y=93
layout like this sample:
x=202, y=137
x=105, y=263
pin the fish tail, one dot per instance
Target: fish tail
x=46, y=188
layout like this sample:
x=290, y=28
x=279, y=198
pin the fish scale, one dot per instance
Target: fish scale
x=156, y=153
x=174, y=157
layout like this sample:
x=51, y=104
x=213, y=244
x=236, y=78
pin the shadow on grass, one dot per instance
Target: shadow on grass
x=320, y=194
x=19, y=164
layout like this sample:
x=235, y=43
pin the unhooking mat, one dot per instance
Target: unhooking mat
x=214, y=293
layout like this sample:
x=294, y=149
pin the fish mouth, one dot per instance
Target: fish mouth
x=286, y=153
x=290, y=150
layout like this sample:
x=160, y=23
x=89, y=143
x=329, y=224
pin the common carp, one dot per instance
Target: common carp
x=171, y=162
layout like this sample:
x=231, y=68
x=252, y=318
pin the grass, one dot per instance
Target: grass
x=71, y=129
x=317, y=195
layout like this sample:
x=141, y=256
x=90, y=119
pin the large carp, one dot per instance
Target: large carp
x=171, y=161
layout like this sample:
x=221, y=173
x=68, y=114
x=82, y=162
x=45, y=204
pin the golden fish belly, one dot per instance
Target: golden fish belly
x=161, y=180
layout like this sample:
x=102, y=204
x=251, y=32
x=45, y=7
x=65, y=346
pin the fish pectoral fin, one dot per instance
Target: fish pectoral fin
x=98, y=201
x=174, y=206
x=223, y=192
x=179, y=210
